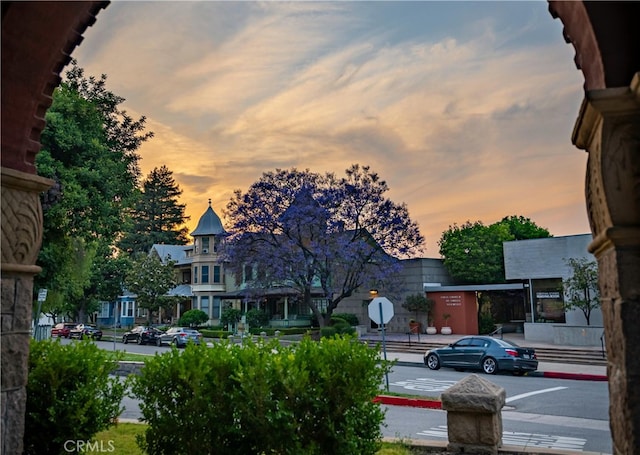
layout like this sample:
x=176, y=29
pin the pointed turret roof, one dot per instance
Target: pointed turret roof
x=209, y=224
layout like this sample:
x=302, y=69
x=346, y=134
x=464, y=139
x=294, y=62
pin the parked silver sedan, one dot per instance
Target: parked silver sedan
x=483, y=353
x=179, y=337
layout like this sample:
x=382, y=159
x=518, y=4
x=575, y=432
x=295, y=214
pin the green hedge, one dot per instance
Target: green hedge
x=209, y=333
x=70, y=394
x=311, y=398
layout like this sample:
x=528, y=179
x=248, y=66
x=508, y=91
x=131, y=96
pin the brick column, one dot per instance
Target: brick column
x=608, y=128
x=21, y=239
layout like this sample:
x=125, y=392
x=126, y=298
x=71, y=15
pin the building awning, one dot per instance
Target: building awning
x=474, y=287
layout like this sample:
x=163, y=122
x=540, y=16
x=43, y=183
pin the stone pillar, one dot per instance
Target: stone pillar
x=608, y=128
x=474, y=419
x=21, y=238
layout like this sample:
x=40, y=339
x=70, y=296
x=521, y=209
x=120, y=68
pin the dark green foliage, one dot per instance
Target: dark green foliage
x=486, y=324
x=193, y=318
x=263, y=399
x=352, y=319
x=157, y=217
x=89, y=149
x=257, y=318
x=328, y=331
x=230, y=316
x=215, y=333
x=418, y=304
x=341, y=326
x=70, y=394
x=150, y=279
x=473, y=252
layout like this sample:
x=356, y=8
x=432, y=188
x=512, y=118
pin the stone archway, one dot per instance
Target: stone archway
x=38, y=38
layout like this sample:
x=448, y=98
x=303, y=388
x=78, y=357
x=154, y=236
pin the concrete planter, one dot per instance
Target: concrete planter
x=445, y=330
x=431, y=330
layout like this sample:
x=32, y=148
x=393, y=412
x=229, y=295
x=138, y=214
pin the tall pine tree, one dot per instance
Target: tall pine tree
x=157, y=217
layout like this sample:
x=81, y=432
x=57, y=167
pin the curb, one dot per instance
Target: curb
x=410, y=402
x=539, y=374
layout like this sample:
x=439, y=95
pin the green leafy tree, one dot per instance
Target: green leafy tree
x=473, y=252
x=150, y=280
x=71, y=394
x=193, y=318
x=157, y=217
x=417, y=304
x=230, y=316
x=581, y=288
x=89, y=150
x=257, y=318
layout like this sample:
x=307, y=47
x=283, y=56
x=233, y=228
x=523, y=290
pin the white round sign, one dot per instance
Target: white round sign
x=380, y=304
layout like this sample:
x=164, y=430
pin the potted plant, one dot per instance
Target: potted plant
x=445, y=330
x=417, y=303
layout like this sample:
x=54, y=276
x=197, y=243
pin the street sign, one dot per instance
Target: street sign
x=380, y=310
x=42, y=295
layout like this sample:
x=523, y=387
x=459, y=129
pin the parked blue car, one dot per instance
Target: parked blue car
x=179, y=337
x=483, y=353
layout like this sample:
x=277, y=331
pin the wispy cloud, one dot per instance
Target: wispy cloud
x=472, y=122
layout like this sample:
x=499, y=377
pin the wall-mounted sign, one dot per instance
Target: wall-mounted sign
x=548, y=295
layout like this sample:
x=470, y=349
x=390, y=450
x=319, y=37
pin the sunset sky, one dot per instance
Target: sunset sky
x=464, y=108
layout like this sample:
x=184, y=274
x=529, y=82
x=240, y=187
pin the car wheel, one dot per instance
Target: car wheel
x=125, y=340
x=98, y=338
x=175, y=342
x=433, y=362
x=140, y=340
x=489, y=365
x=158, y=342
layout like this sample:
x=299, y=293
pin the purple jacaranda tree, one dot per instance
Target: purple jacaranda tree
x=310, y=231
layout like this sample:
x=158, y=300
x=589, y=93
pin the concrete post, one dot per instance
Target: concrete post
x=474, y=419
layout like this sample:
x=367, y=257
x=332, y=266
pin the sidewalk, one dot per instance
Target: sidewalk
x=545, y=369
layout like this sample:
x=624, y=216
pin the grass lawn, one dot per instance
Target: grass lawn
x=122, y=437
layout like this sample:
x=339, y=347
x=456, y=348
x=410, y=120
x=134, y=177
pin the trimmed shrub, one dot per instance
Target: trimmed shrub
x=341, y=326
x=314, y=398
x=218, y=333
x=193, y=318
x=70, y=394
x=328, y=331
x=487, y=324
x=230, y=316
x=351, y=319
x=257, y=318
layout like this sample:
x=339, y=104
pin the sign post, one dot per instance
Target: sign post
x=381, y=312
x=42, y=296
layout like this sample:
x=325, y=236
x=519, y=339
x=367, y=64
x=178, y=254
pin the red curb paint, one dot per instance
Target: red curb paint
x=412, y=402
x=575, y=376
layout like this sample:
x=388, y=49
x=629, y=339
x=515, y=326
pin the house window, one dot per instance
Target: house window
x=215, y=245
x=105, y=308
x=127, y=309
x=205, y=274
x=216, y=308
x=205, y=244
x=141, y=312
x=195, y=275
x=216, y=274
x=204, y=304
x=186, y=277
